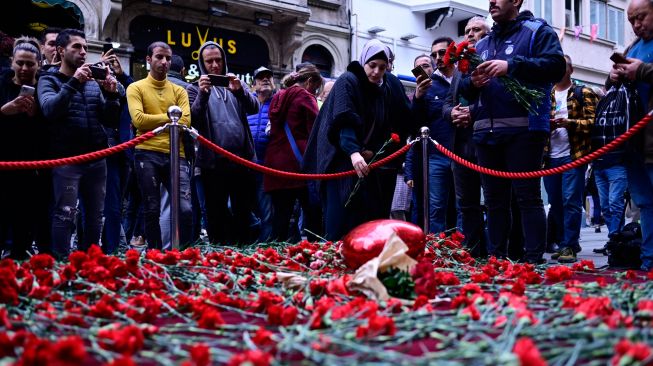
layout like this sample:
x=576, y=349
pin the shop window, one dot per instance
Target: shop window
x=320, y=57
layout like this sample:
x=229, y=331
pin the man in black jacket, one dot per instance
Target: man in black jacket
x=75, y=106
x=467, y=182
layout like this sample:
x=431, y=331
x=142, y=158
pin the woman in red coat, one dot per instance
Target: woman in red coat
x=292, y=114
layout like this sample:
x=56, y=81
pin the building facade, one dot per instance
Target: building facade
x=410, y=26
x=253, y=33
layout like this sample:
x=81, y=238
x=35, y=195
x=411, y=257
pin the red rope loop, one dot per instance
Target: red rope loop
x=290, y=175
x=546, y=172
x=16, y=165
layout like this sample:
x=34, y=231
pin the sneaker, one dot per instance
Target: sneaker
x=566, y=255
x=137, y=241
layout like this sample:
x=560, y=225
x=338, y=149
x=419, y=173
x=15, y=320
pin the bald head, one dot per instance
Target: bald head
x=640, y=16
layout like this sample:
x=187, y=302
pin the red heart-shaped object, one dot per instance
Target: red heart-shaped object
x=366, y=241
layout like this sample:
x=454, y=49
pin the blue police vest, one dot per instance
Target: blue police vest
x=497, y=108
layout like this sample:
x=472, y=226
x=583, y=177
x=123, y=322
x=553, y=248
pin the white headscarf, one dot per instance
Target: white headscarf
x=372, y=48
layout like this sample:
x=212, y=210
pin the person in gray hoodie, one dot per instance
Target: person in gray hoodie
x=220, y=114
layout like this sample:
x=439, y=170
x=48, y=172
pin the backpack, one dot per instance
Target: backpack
x=616, y=112
x=624, y=249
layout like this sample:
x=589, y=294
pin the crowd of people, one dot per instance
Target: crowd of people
x=56, y=104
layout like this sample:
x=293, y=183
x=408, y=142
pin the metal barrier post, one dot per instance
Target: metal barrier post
x=174, y=113
x=425, y=133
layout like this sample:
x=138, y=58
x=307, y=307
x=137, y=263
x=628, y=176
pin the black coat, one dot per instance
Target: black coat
x=369, y=110
x=23, y=137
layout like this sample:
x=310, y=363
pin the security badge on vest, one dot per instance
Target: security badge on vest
x=509, y=50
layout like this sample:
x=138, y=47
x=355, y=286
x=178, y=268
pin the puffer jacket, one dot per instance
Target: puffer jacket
x=257, y=124
x=76, y=113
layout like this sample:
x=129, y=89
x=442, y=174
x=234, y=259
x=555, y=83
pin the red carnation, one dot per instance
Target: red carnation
x=200, y=354
x=451, y=52
x=250, y=358
x=528, y=353
x=41, y=261
x=263, y=337
x=210, y=319
x=69, y=351
x=376, y=326
x=558, y=273
x=463, y=66
x=461, y=48
x=395, y=138
x=637, y=351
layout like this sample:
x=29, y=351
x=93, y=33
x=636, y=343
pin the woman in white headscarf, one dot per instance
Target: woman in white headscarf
x=365, y=106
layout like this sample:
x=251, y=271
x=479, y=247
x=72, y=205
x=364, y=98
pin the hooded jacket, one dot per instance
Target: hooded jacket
x=221, y=116
x=298, y=108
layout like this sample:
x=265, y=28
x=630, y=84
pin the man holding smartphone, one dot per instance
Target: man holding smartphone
x=220, y=114
x=573, y=108
x=427, y=108
x=639, y=165
x=77, y=107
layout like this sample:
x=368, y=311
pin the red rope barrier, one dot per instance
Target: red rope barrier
x=16, y=165
x=291, y=175
x=541, y=173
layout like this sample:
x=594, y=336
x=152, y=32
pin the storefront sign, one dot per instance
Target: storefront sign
x=244, y=52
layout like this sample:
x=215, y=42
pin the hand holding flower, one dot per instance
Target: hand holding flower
x=359, y=164
x=362, y=168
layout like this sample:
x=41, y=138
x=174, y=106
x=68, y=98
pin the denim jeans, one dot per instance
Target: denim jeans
x=522, y=152
x=263, y=209
x=611, y=183
x=440, y=181
x=86, y=182
x=565, y=193
x=113, y=203
x=152, y=171
x=640, y=184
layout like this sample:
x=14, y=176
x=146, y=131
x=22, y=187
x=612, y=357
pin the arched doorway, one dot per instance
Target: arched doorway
x=320, y=57
x=31, y=17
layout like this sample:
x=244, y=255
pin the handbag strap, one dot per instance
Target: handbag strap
x=293, y=144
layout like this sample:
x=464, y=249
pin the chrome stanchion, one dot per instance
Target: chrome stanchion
x=426, y=140
x=174, y=113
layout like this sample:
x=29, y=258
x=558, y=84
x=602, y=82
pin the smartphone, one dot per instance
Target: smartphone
x=419, y=71
x=98, y=72
x=106, y=48
x=619, y=58
x=26, y=90
x=219, y=80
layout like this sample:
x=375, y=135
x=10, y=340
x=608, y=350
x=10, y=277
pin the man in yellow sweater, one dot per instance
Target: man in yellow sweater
x=148, y=101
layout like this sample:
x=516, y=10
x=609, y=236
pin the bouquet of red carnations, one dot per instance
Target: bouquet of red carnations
x=468, y=60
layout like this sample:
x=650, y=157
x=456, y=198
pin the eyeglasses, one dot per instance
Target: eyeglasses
x=440, y=53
